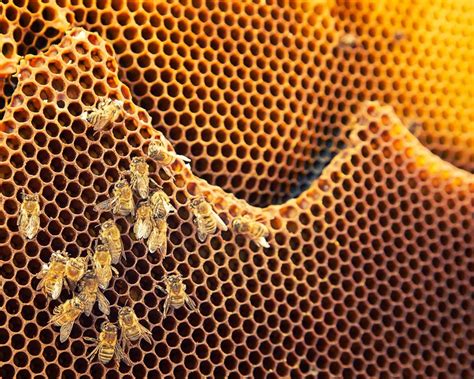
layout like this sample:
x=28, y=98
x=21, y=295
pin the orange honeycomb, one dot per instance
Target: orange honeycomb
x=370, y=270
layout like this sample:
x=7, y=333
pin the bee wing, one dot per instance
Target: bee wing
x=201, y=230
x=43, y=274
x=142, y=186
x=162, y=244
x=262, y=242
x=88, y=305
x=179, y=156
x=56, y=317
x=56, y=290
x=152, y=242
x=65, y=331
x=104, y=304
x=103, y=274
x=121, y=355
x=142, y=229
x=85, y=115
x=190, y=303
x=21, y=216
x=169, y=207
x=145, y=333
x=105, y=205
x=33, y=227
x=220, y=223
x=166, y=307
x=92, y=354
x=41, y=283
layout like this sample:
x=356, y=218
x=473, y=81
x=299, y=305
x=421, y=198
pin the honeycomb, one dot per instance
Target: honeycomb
x=370, y=270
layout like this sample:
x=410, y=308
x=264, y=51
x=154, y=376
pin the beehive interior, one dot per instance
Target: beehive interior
x=370, y=269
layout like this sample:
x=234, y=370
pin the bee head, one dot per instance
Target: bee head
x=107, y=225
x=137, y=160
x=196, y=202
x=173, y=278
x=121, y=183
x=107, y=326
x=89, y=275
x=239, y=225
x=31, y=198
x=101, y=248
x=77, y=302
x=59, y=256
x=125, y=311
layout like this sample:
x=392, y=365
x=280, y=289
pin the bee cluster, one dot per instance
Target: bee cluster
x=86, y=277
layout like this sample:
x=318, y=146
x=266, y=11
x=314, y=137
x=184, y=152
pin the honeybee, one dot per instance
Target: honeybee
x=158, y=151
x=348, y=41
x=121, y=202
x=65, y=314
x=110, y=235
x=252, y=228
x=161, y=205
x=206, y=219
x=140, y=179
x=52, y=274
x=89, y=293
x=106, y=112
x=75, y=270
x=176, y=293
x=28, y=219
x=131, y=328
x=102, y=263
x=107, y=346
x=158, y=237
x=143, y=221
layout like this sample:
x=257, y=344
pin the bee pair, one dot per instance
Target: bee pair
x=66, y=314
x=108, y=111
x=208, y=221
x=107, y=346
x=122, y=202
x=61, y=270
x=151, y=221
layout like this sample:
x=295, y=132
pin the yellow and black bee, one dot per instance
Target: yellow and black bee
x=207, y=221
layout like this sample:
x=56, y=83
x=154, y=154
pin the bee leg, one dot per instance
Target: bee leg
x=66, y=285
x=114, y=270
x=92, y=353
x=96, y=131
x=262, y=242
x=168, y=172
x=154, y=183
x=167, y=306
x=162, y=290
x=191, y=304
